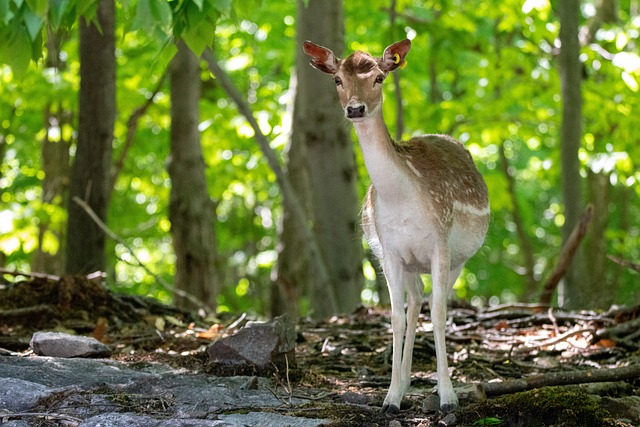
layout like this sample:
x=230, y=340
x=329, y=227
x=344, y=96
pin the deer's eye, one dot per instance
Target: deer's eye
x=338, y=81
x=379, y=79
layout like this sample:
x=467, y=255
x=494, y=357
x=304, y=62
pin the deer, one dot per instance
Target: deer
x=425, y=212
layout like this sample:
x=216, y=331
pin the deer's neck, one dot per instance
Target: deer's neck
x=384, y=164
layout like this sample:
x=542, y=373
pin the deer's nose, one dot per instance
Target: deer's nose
x=355, y=112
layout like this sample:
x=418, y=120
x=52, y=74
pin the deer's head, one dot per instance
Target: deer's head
x=359, y=77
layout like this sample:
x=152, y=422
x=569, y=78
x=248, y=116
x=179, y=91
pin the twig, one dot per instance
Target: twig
x=118, y=239
x=49, y=277
x=566, y=255
x=617, y=332
x=562, y=378
x=132, y=127
x=41, y=415
x=289, y=389
x=289, y=196
x=27, y=312
x=34, y=275
x=536, y=307
x=555, y=340
x=625, y=263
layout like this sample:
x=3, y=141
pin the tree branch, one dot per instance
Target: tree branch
x=562, y=378
x=566, y=255
x=132, y=127
x=289, y=197
x=166, y=286
x=631, y=265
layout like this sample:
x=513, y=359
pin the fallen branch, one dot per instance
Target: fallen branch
x=625, y=373
x=49, y=277
x=166, y=286
x=34, y=275
x=625, y=263
x=535, y=307
x=42, y=310
x=623, y=333
x=66, y=418
x=555, y=340
x=566, y=255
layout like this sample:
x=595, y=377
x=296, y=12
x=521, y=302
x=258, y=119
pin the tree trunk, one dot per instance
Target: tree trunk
x=598, y=285
x=90, y=173
x=321, y=165
x=56, y=167
x=571, y=294
x=191, y=210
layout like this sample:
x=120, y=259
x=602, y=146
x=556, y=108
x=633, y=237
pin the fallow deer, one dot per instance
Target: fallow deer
x=426, y=211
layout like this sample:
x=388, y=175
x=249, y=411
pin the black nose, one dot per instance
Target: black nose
x=355, y=112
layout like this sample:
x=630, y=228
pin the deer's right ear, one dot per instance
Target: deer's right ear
x=321, y=58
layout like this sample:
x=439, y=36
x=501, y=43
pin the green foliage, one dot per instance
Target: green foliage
x=485, y=72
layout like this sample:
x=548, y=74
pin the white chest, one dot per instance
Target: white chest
x=407, y=231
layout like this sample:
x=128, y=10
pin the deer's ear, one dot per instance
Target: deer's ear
x=321, y=58
x=393, y=56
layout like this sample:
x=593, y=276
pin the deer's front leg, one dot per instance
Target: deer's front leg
x=393, y=273
x=415, y=290
x=442, y=282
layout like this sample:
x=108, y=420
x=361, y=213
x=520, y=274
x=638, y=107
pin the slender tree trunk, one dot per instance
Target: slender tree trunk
x=191, y=210
x=90, y=173
x=56, y=167
x=571, y=293
x=321, y=165
x=598, y=285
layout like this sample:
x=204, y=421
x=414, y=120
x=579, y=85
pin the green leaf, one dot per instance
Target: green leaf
x=15, y=50
x=488, y=421
x=5, y=12
x=38, y=7
x=198, y=38
x=161, y=11
x=33, y=23
x=57, y=10
x=223, y=6
x=199, y=3
x=87, y=9
x=245, y=7
x=154, y=13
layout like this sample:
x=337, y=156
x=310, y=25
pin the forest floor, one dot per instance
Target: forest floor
x=523, y=365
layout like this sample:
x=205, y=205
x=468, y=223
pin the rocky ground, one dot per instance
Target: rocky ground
x=517, y=365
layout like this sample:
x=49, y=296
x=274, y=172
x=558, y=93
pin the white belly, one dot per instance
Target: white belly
x=409, y=232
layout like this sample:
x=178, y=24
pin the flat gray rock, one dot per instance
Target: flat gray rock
x=59, y=344
x=107, y=393
x=133, y=420
x=267, y=419
x=18, y=395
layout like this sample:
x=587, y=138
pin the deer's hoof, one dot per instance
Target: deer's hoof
x=448, y=408
x=389, y=409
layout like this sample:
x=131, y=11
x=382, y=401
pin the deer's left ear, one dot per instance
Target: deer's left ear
x=393, y=56
x=321, y=58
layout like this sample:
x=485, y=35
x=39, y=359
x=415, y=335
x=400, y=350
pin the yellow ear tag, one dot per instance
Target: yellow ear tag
x=396, y=60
